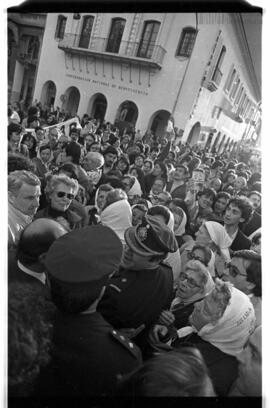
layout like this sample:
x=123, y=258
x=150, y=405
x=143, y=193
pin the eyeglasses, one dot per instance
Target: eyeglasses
x=196, y=258
x=62, y=194
x=191, y=282
x=233, y=270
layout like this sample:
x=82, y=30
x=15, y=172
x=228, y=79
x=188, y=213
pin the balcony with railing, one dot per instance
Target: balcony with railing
x=213, y=83
x=129, y=51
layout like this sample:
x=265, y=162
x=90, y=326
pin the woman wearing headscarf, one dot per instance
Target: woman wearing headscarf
x=117, y=213
x=132, y=188
x=213, y=235
x=166, y=216
x=220, y=327
x=180, y=221
x=192, y=286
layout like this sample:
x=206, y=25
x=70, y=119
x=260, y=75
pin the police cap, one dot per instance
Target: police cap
x=84, y=255
x=151, y=237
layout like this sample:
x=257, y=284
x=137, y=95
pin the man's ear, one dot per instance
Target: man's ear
x=242, y=220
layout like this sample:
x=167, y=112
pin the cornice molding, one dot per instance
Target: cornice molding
x=245, y=51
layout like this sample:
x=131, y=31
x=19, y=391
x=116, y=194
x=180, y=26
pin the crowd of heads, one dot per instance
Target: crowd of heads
x=88, y=200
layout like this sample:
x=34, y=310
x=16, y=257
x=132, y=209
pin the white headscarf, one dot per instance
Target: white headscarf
x=232, y=330
x=135, y=189
x=220, y=237
x=182, y=227
x=117, y=216
x=173, y=258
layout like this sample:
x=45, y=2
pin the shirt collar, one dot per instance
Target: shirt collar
x=40, y=276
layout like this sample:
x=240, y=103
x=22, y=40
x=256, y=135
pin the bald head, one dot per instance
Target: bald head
x=37, y=238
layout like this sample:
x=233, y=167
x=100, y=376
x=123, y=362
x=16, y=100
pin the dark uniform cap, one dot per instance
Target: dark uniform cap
x=151, y=237
x=84, y=255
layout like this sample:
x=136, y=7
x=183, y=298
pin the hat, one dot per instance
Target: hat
x=151, y=237
x=84, y=255
x=110, y=149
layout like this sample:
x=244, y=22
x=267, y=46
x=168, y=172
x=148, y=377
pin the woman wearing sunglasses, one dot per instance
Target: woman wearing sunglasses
x=60, y=190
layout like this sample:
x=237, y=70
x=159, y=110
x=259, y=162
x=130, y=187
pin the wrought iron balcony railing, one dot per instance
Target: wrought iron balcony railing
x=146, y=53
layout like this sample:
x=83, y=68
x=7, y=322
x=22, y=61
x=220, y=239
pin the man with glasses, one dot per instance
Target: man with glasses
x=245, y=272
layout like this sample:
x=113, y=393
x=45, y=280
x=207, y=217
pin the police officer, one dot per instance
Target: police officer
x=88, y=354
x=143, y=286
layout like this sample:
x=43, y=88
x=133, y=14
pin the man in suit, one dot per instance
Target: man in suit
x=238, y=211
x=33, y=245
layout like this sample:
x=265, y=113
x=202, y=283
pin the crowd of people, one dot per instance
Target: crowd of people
x=134, y=262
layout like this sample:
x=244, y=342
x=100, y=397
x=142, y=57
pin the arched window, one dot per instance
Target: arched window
x=115, y=37
x=186, y=43
x=148, y=40
x=217, y=75
x=86, y=31
x=60, y=27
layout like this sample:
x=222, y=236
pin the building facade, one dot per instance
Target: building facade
x=25, y=33
x=136, y=70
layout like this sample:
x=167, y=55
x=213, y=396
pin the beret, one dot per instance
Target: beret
x=84, y=255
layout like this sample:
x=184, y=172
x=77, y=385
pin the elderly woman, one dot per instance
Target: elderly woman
x=60, y=190
x=223, y=322
x=192, y=286
x=117, y=213
x=213, y=235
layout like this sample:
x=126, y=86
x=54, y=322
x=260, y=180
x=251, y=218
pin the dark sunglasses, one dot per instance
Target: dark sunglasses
x=61, y=194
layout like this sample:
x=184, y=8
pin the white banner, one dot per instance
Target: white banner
x=73, y=121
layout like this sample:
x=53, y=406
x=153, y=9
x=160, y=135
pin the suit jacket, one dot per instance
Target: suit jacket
x=254, y=224
x=241, y=241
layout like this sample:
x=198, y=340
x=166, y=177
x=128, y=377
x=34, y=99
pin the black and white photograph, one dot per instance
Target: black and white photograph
x=134, y=197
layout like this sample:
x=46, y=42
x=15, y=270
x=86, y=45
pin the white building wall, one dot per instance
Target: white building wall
x=176, y=84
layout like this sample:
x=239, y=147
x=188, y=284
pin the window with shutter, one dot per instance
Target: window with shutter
x=186, y=43
x=116, y=33
x=60, y=27
x=148, y=39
